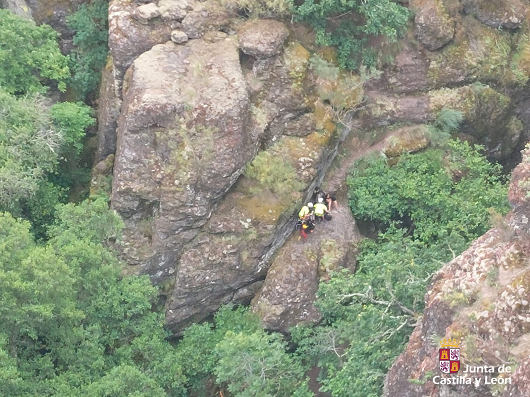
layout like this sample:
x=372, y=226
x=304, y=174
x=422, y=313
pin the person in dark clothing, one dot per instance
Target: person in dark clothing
x=330, y=200
x=317, y=193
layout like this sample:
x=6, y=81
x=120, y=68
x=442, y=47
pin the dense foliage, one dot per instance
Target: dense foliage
x=352, y=25
x=39, y=144
x=90, y=47
x=71, y=325
x=29, y=56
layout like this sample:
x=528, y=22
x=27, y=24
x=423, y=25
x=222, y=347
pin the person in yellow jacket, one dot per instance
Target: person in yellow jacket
x=320, y=209
x=306, y=212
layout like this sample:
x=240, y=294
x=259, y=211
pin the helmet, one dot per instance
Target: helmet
x=309, y=205
x=320, y=200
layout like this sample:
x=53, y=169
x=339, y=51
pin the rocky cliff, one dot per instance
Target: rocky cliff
x=220, y=127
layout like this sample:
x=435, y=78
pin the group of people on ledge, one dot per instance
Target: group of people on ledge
x=312, y=213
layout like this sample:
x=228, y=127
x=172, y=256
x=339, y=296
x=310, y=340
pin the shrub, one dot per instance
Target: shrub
x=274, y=173
x=449, y=120
x=432, y=194
x=29, y=56
x=72, y=119
x=349, y=25
x=29, y=147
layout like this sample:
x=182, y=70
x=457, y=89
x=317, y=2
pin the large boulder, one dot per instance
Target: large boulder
x=262, y=38
x=229, y=259
x=206, y=16
x=434, y=27
x=182, y=143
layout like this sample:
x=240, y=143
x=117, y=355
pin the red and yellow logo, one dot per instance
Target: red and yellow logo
x=449, y=356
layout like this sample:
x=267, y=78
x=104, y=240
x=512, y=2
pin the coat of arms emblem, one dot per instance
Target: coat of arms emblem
x=449, y=356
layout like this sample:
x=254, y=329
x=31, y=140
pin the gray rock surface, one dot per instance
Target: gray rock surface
x=181, y=145
x=434, y=27
x=179, y=37
x=174, y=9
x=146, y=12
x=499, y=13
x=262, y=38
x=18, y=7
x=202, y=19
x=129, y=38
x=108, y=113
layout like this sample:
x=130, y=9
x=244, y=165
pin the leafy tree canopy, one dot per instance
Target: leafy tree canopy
x=29, y=56
x=72, y=326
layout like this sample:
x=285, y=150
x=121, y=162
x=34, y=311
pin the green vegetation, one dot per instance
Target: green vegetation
x=433, y=194
x=39, y=145
x=89, y=55
x=29, y=56
x=71, y=325
x=72, y=119
x=352, y=25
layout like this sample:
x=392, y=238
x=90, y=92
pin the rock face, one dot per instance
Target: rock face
x=182, y=143
x=500, y=14
x=262, y=38
x=482, y=299
x=19, y=7
x=128, y=37
x=108, y=112
x=434, y=27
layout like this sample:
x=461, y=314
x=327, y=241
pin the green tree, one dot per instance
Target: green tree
x=257, y=365
x=72, y=119
x=432, y=194
x=30, y=57
x=72, y=325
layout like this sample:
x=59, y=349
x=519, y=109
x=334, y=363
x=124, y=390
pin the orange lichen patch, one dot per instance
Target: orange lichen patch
x=346, y=92
x=296, y=56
